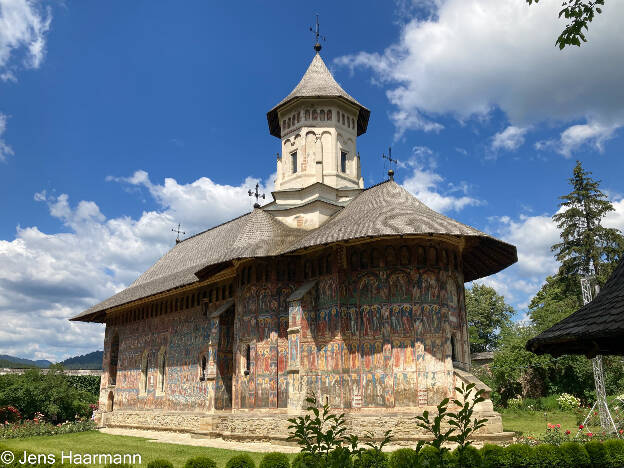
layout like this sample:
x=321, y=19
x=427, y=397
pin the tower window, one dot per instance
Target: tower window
x=453, y=349
x=247, y=360
x=293, y=160
x=343, y=161
x=322, y=115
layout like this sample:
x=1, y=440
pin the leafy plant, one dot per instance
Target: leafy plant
x=403, y=458
x=274, y=460
x=574, y=454
x=462, y=420
x=240, y=461
x=160, y=463
x=200, y=462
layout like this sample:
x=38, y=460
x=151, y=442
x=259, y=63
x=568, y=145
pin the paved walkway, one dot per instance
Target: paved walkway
x=186, y=439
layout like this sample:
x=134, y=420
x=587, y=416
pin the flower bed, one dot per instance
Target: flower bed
x=30, y=428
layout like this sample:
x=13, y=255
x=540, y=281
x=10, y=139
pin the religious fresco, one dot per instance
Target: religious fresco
x=373, y=333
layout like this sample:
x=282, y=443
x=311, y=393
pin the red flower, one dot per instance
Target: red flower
x=581, y=426
x=621, y=431
x=558, y=426
x=589, y=434
x=568, y=432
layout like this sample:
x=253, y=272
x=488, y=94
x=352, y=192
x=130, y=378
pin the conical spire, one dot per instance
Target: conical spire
x=317, y=82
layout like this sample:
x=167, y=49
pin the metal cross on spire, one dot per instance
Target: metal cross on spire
x=179, y=232
x=390, y=161
x=256, y=194
x=317, y=34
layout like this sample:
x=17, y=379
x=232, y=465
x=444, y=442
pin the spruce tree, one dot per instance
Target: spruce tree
x=585, y=243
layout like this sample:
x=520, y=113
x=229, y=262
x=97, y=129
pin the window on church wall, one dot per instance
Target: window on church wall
x=329, y=114
x=202, y=369
x=307, y=114
x=247, y=360
x=288, y=123
x=322, y=115
x=420, y=256
x=352, y=123
x=355, y=260
x=364, y=260
x=343, y=119
x=222, y=292
x=284, y=124
x=404, y=255
x=314, y=114
x=453, y=349
x=162, y=367
x=114, y=360
x=230, y=291
x=144, y=372
x=375, y=258
x=293, y=162
x=291, y=270
x=338, y=116
x=343, y=161
x=298, y=117
x=432, y=256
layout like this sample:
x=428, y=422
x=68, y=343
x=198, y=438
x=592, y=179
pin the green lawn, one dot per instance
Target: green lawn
x=97, y=442
x=535, y=422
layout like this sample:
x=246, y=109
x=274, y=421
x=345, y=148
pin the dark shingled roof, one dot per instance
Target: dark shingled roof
x=384, y=210
x=596, y=328
x=317, y=82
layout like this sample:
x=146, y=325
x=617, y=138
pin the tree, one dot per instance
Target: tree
x=552, y=304
x=585, y=243
x=581, y=12
x=487, y=314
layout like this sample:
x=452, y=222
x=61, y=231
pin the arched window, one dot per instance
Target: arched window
x=284, y=124
x=329, y=114
x=298, y=117
x=307, y=114
x=453, y=349
x=314, y=114
x=352, y=123
x=322, y=115
x=288, y=123
x=162, y=367
x=144, y=372
x=343, y=119
x=114, y=360
x=247, y=367
x=338, y=116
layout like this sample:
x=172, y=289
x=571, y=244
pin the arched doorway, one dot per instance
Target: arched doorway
x=110, y=401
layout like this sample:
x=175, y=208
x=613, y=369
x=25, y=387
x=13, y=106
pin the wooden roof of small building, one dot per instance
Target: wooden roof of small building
x=385, y=210
x=596, y=328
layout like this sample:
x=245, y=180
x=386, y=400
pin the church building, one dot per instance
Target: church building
x=353, y=294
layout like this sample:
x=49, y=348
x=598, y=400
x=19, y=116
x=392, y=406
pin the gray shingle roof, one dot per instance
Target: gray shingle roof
x=596, y=328
x=383, y=210
x=317, y=82
x=388, y=209
x=256, y=234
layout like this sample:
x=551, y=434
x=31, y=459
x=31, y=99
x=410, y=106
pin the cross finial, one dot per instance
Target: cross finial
x=390, y=161
x=179, y=232
x=256, y=194
x=317, y=34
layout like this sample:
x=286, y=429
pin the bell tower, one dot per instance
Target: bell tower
x=318, y=124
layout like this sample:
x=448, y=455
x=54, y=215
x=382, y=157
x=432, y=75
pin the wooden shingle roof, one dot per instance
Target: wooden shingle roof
x=317, y=82
x=596, y=328
x=384, y=210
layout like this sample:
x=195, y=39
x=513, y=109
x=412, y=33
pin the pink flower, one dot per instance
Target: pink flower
x=589, y=434
x=558, y=426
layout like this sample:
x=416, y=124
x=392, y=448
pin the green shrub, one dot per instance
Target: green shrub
x=517, y=456
x=492, y=455
x=404, y=458
x=305, y=460
x=597, y=454
x=430, y=457
x=273, y=460
x=160, y=463
x=340, y=457
x=200, y=462
x=371, y=459
x=469, y=457
x=615, y=449
x=240, y=461
x=574, y=454
x=546, y=456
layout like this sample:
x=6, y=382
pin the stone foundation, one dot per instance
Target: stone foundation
x=255, y=426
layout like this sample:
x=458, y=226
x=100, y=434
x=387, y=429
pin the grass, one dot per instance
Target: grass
x=97, y=442
x=534, y=423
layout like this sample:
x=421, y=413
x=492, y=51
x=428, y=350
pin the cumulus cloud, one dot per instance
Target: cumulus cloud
x=430, y=187
x=592, y=134
x=23, y=28
x=5, y=149
x=48, y=277
x=509, y=139
x=534, y=236
x=475, y=56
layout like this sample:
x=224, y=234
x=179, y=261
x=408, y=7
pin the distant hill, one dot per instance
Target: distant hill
x=14, y=362
x=87, y=361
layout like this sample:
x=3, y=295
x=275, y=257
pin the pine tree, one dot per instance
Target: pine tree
x=585, y=243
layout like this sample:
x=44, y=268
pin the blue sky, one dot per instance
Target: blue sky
x=118, y=121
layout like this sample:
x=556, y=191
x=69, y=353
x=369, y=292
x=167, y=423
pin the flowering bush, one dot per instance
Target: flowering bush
x=9, y=414
x=514, y=403
x=555, y=436
x=36, y=427
x=568, y=402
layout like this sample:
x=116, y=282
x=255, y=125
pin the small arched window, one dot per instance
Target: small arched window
x=307, y=114
x=284, y=124
x=352, y=123
x=162, y=367
x=314, y=114
x=343, y=119
x=202, y=369
x=298, y=117
x=329, y=114
x=322, y=115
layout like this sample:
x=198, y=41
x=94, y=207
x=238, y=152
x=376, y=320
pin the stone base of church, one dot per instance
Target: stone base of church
x=273, y=426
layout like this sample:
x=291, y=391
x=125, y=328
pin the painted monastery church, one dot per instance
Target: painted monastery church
x=354, y=294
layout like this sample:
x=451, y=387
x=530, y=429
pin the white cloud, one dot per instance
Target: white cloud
x=578, y=135
x=5, y=150
x=23, y=26
x=429, y=186
x=475, y=56
x=533, y=236
x=509, y=139
x=47, y=278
